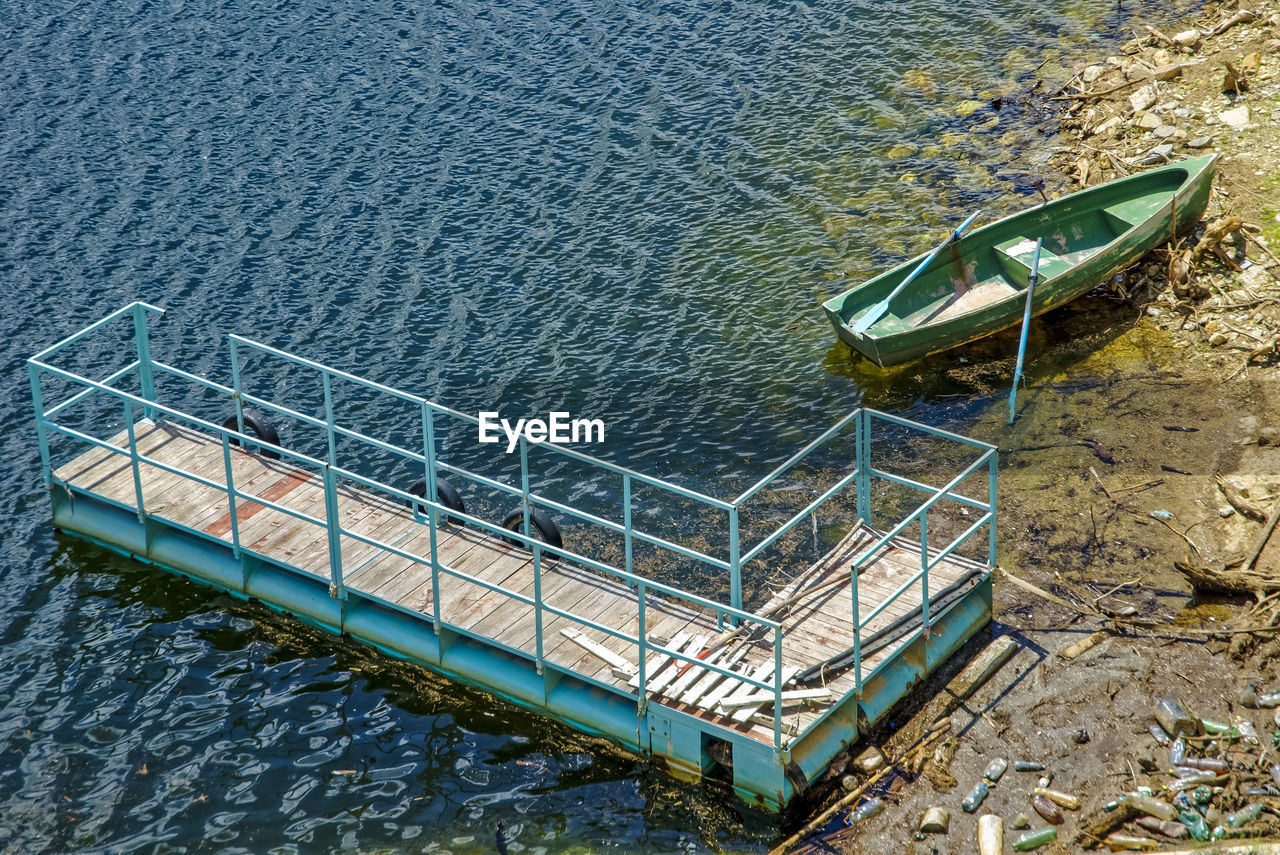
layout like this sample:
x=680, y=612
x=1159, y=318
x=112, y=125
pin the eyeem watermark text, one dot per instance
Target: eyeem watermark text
x=559, y=428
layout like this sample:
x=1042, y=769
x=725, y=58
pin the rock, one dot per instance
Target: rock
x=1093, y=72
x=1108, y=127
x=1187, y=38
x=1143, y=98
x=1272, y=46
x=1251, y=63
x=1164, y=131
x=902, y=150
x=870, y=760
x=1226, y=511
x=1157, y=154
x=1167, y=72
x=1160, y=56
x=1200, y=142
x=1268, y=436
x=936, y=821
x=1237, y=118
x=969, y=107
x=1218, y=339
x=1150, y=121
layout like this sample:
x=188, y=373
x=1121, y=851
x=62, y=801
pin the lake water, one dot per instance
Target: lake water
x=629, y=211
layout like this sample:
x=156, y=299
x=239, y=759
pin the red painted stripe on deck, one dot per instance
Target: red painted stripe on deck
x=273, y=493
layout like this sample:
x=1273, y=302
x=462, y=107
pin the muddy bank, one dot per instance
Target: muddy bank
x=1158, y=446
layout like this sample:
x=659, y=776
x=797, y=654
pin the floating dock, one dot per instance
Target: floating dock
x=766, y=697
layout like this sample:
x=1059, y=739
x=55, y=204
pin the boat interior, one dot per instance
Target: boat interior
x=999, y=267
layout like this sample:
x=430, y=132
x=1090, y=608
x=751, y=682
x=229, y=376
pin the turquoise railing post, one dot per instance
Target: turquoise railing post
x=628, y=544
x=537, y=603
x=524, y=485
x=777, y=685
x=863, y=445
x=334, y=527
x=433, y=516
x=325, y=381
x=642, y=643
x=133, y=460
x=37, y=400
x=231, y=494
x=735, y=567
x=857, y=630
x=991, y=502
x=924, y=572
x=235, y=386
x=142, y=340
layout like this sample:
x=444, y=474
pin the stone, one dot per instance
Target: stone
x=1167, y=72
x=869, y=760
x=1110, y=126
x=1143, y=98
x=936, y=820
x=1237, y=118
x=1164, y=131
x=1160, y=56
x=969, y=107
x=1150, y=121
x=1218, y=339
x=1268, y=436
x=1187, y=38
x=1226, y=511
x=1093, y=72
x=1200, y=142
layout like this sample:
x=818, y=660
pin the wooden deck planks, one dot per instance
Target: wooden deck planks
x=815, y=629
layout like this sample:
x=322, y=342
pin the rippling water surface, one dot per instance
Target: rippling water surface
x=626, y=210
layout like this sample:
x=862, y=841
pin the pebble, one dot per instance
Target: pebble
x=1237, y=118
x=1143, y=98
x=936, y=820
x=1200, y=142
x=1150, y=121
x=1093, y=72
x=1164, y=131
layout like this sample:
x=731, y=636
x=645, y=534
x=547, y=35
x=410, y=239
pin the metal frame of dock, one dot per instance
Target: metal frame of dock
x=683, y=678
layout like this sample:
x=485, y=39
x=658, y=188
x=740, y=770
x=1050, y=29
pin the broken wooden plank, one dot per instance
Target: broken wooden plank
x=745, y=712
x=672, y=671
x=599, y=650
x=790, y=695
x=730, y=659
x=727, y=687
x=659, y=659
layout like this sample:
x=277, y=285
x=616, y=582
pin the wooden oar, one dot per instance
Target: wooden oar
x=877, y=311
x=1026, y=322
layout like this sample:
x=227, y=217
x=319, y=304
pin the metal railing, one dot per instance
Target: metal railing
x=331, y=472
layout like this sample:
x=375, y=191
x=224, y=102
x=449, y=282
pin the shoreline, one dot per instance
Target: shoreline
x=1163, y=454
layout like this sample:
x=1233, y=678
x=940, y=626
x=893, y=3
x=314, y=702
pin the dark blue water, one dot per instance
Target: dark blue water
x=626, y=210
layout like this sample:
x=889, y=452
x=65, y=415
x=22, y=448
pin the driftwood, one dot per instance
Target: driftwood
x=1159, y=36
x=1240, y=503
x=1233, y=82
x=1214, y=234
x=925, y=744
x=1101, y=823
x=1244, y=16
x=1227, y=581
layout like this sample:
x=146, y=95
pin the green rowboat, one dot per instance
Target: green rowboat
x=977, y=285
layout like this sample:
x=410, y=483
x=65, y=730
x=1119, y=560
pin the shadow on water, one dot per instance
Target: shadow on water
x=428, y=758
x=965, y=380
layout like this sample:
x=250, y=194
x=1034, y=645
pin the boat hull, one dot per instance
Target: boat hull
x=977, y=286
